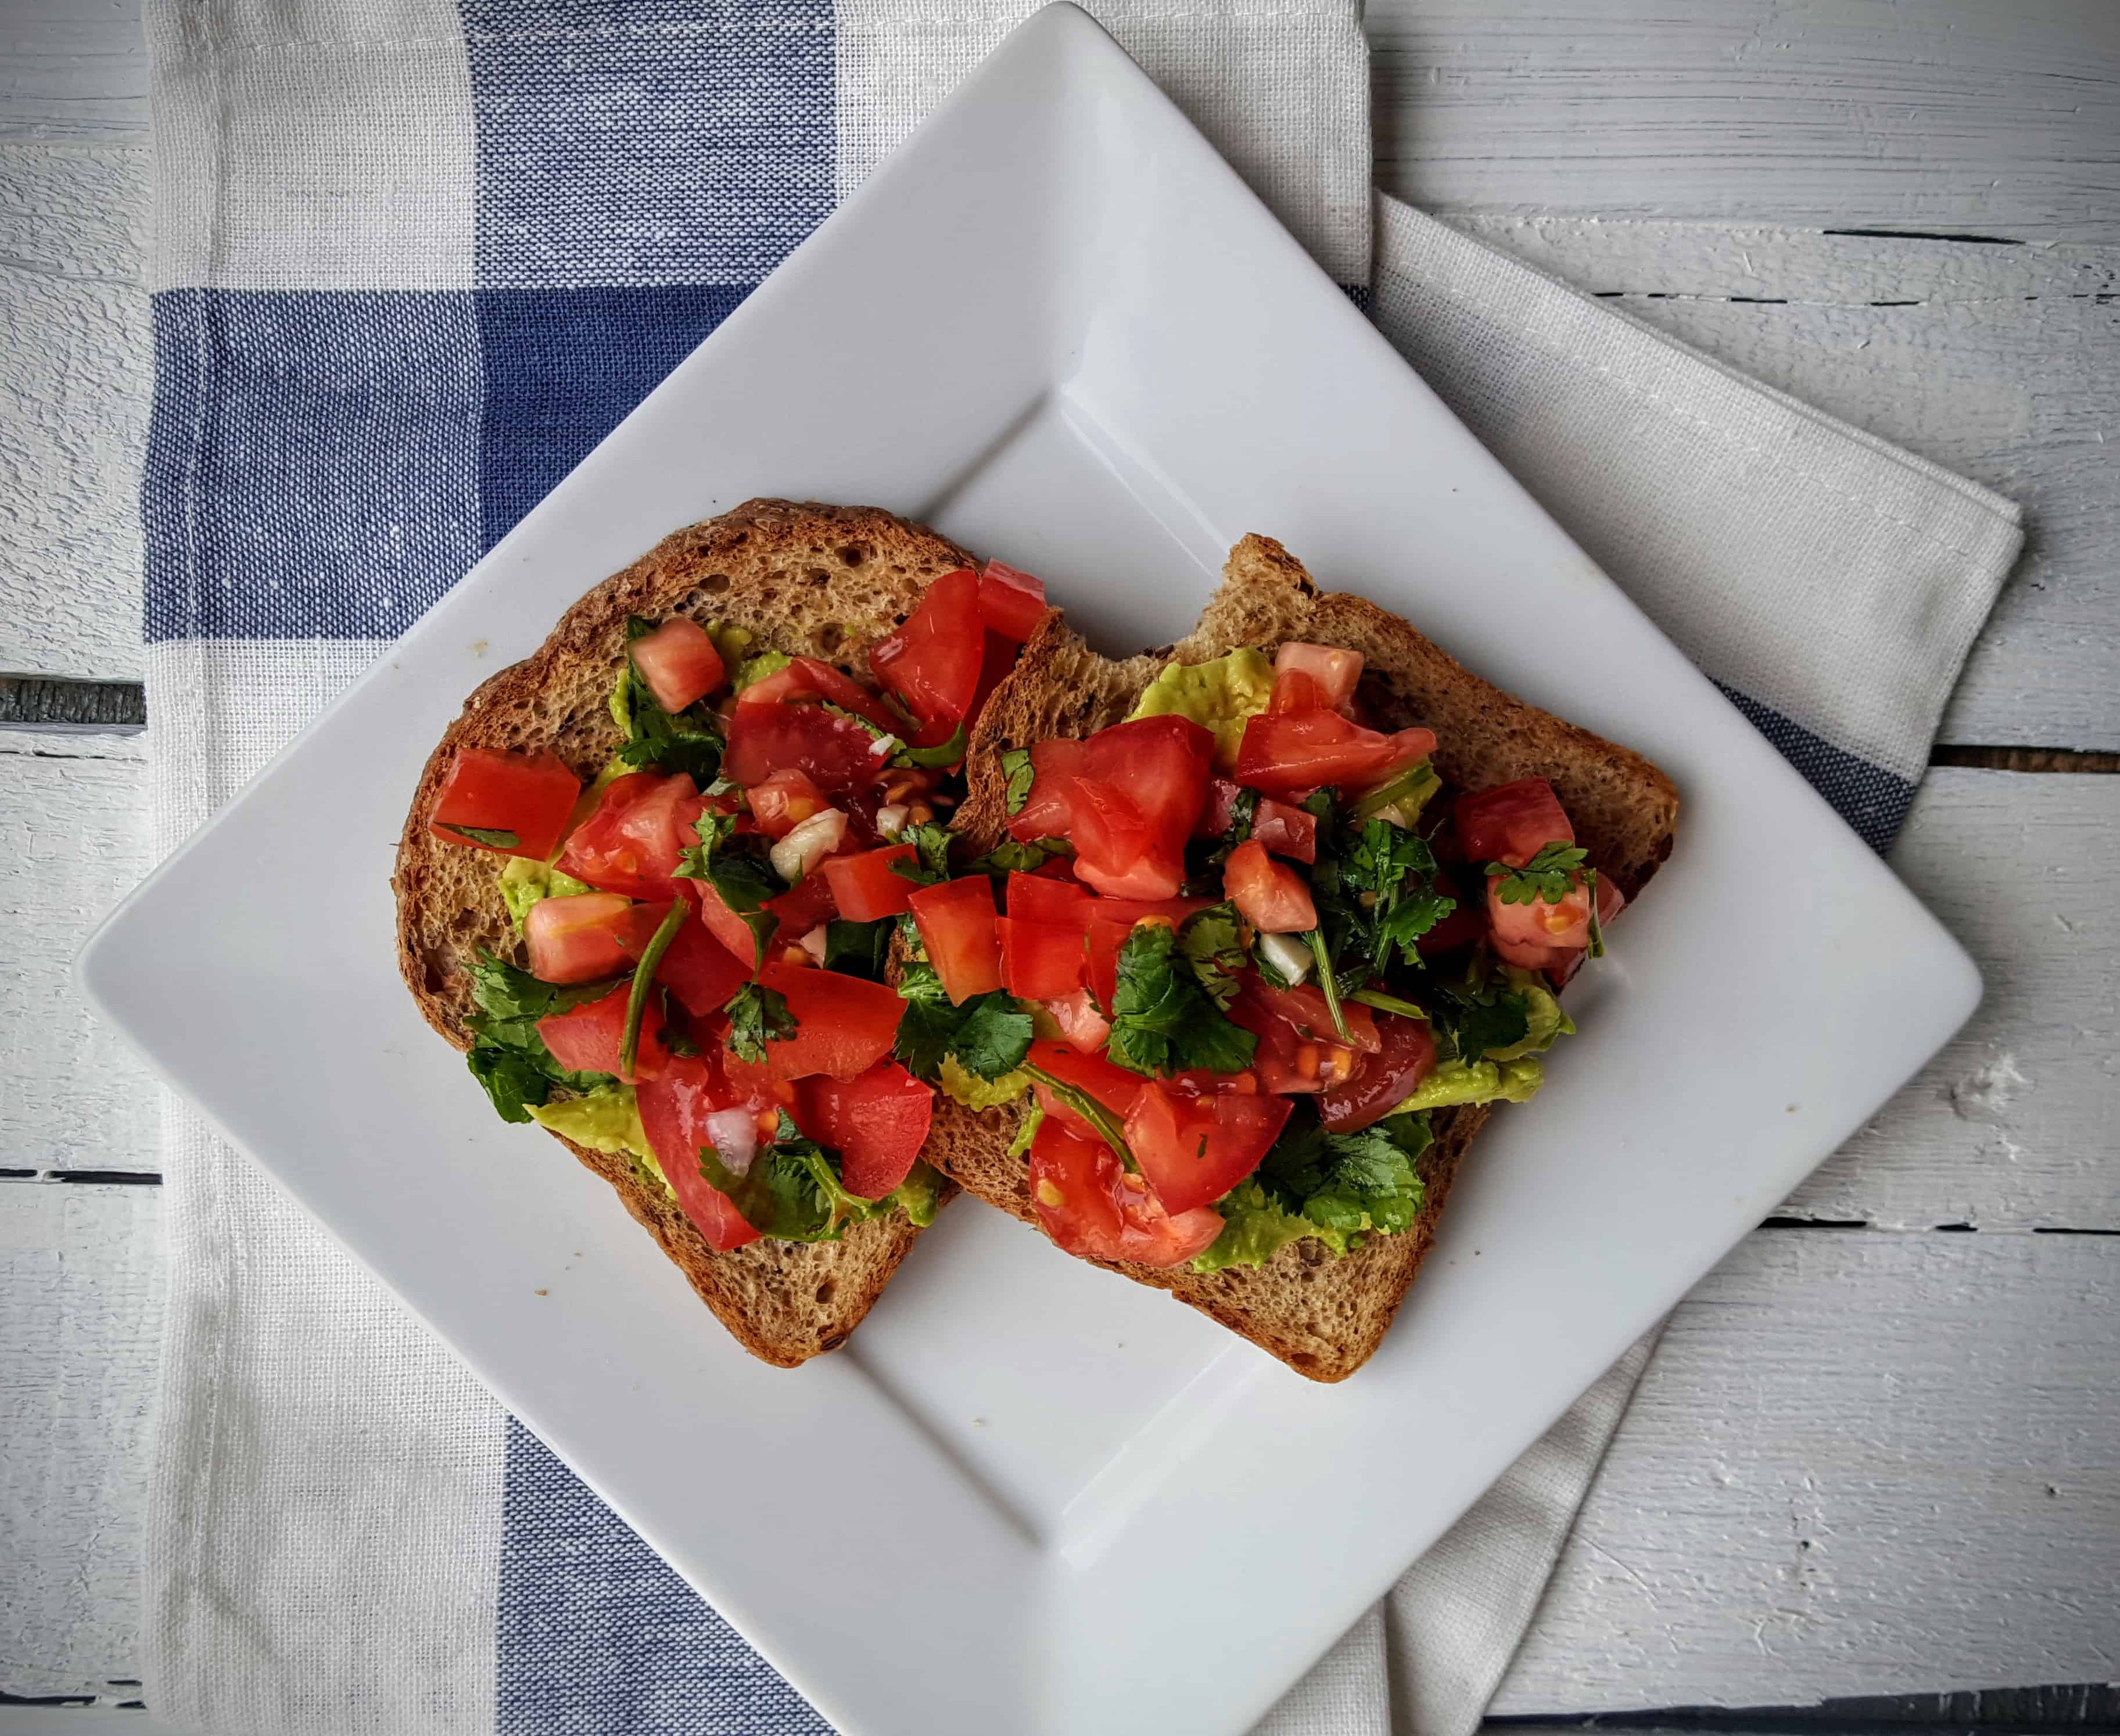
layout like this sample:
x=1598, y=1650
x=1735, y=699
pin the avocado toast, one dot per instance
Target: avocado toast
x=1318, y=1295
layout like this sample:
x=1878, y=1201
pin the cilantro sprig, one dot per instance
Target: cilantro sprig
x=757, y=1016
x=1547, y=878
x=1017, y=768
x=929, y=865
x=1163, y=1022
x=644, y=979
x=989, y=1035
x=508, y=1058
x=793, y=1189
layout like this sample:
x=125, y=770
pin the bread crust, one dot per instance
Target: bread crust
x=824, y=581
x=1323, y=1315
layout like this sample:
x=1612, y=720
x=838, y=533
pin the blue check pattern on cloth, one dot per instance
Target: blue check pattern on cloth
x=325, y=464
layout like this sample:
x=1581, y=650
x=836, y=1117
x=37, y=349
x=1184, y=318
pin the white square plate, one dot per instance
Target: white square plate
x=1106, y=1514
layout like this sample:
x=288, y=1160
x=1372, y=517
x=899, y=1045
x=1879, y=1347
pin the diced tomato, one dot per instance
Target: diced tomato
x=674, y=1109
x=1511, y=822
x=834, y=752
x=632, y=844
x=1565, y=924
x=1334, y=671
x=1106, y=1081
x=844, y=1025
x=1198, y=1082
x=867, y=885
x=1386, y=1079
x=577, y=939
x=696, y=967
x=725, y=925
x=1295, y=691
x=1194, y=1149
x=1172, y=910
x=1282, y=754
x=588, y=1039
x=679, y=663
x=1039, y=960
x=1611, y=899
x=933, y=661
x=1126, y=799
x=784, y=801
x=1100, y=962
x=801, y=679
x=1268, y=895
x=877, y=1121
x=956, y=924
x=996, y=663
x=1286, y=830
x=1306, y=1009
x=1218, y=809
x=1034, y=898
x=1082, y=1027
x=529, y=798
x=802, y=907
x=1091, y=1207
x=1010, y=602
x=1289, y=1057
x=1532, y=957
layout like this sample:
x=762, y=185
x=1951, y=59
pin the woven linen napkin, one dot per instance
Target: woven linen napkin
x=412, y=259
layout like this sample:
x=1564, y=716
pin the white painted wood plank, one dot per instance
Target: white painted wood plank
x=75, y=373
x=2001, y=117
x=1860, y=1462
x=2013, y=1124
x=73, y=839
x=72, y=69
x=2001, y=363
x=81, y=1297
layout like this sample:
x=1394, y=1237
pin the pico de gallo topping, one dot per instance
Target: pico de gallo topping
x=1233, y=953
x=705, y=928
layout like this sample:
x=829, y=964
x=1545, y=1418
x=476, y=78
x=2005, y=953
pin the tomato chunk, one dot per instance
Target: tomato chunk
x=724, y=923
x=1082, y=1027
x=1295, y=691
x=1537, y=924
x=878, y=1121
x=1172, y=910
x=844, y=1025
x=868, y=887
x=1011, y=603
x=1268, y=895
x=956, y=924
x=587, y=1038
x=1386, y=1079
x=696, y=967
x=801, y=679
x=1039, y=960
x=515, y=796
x=673, y=1113
x=679, y=663
x=1194, y=1149
x=1511, y=822
x=1286, y=830
x=1333, y=670
x=635, y=839
x=784, y=801
x=1284, y=753
x=1035, y=898
x=577, y=939
x=1090, y=1206
x=1106, y=1081
x=933, y=661
x=1101, y=943
x=1218, y=809
x=834, y=752
x=1126, y=799
x=1291, y=1058
x=1305, y=1009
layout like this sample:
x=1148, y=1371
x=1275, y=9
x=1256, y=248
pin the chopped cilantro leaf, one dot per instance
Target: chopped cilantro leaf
x=989, y=1035
x=1016, y=767
x=857, y=948
x=930, y=865
x=1209, y=940
x=793, y=1190
x=486, y=834
x=1163, y=1020
x=508, y=1058
x=757, y=1016
x=1547, y=878
x=942, y=753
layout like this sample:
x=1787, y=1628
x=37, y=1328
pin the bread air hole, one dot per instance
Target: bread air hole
x=825, y=1292
x=715, y=584
x=829, y=638
x=853, y=554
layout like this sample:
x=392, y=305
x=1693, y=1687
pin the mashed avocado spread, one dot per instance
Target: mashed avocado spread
x=604, y=1121
x=523, y=882
x=1218, y=695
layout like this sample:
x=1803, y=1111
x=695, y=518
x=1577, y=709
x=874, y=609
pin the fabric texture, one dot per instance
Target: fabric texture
x=412, y=259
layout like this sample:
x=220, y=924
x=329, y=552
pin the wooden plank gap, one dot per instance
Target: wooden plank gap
x=1815, y=1223
x=1926, y=234
x=50, y=702
x=2028, y=759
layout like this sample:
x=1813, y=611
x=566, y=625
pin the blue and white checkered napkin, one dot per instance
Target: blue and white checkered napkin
x=414, y=259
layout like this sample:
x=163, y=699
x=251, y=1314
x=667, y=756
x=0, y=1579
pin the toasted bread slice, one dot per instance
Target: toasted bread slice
x=1322, y=1315
x=827, y=581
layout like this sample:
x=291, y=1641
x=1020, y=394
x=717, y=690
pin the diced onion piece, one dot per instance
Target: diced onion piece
x=1287, y=955
x=813, y=943
x=891, y=819
x=808, y=844
x=733, y=1133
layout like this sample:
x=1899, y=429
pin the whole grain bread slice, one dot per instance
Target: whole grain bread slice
x=824, y=581
x=1322, y=1315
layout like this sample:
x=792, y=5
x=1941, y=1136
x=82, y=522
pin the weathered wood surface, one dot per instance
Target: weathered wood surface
x=81, y=1290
